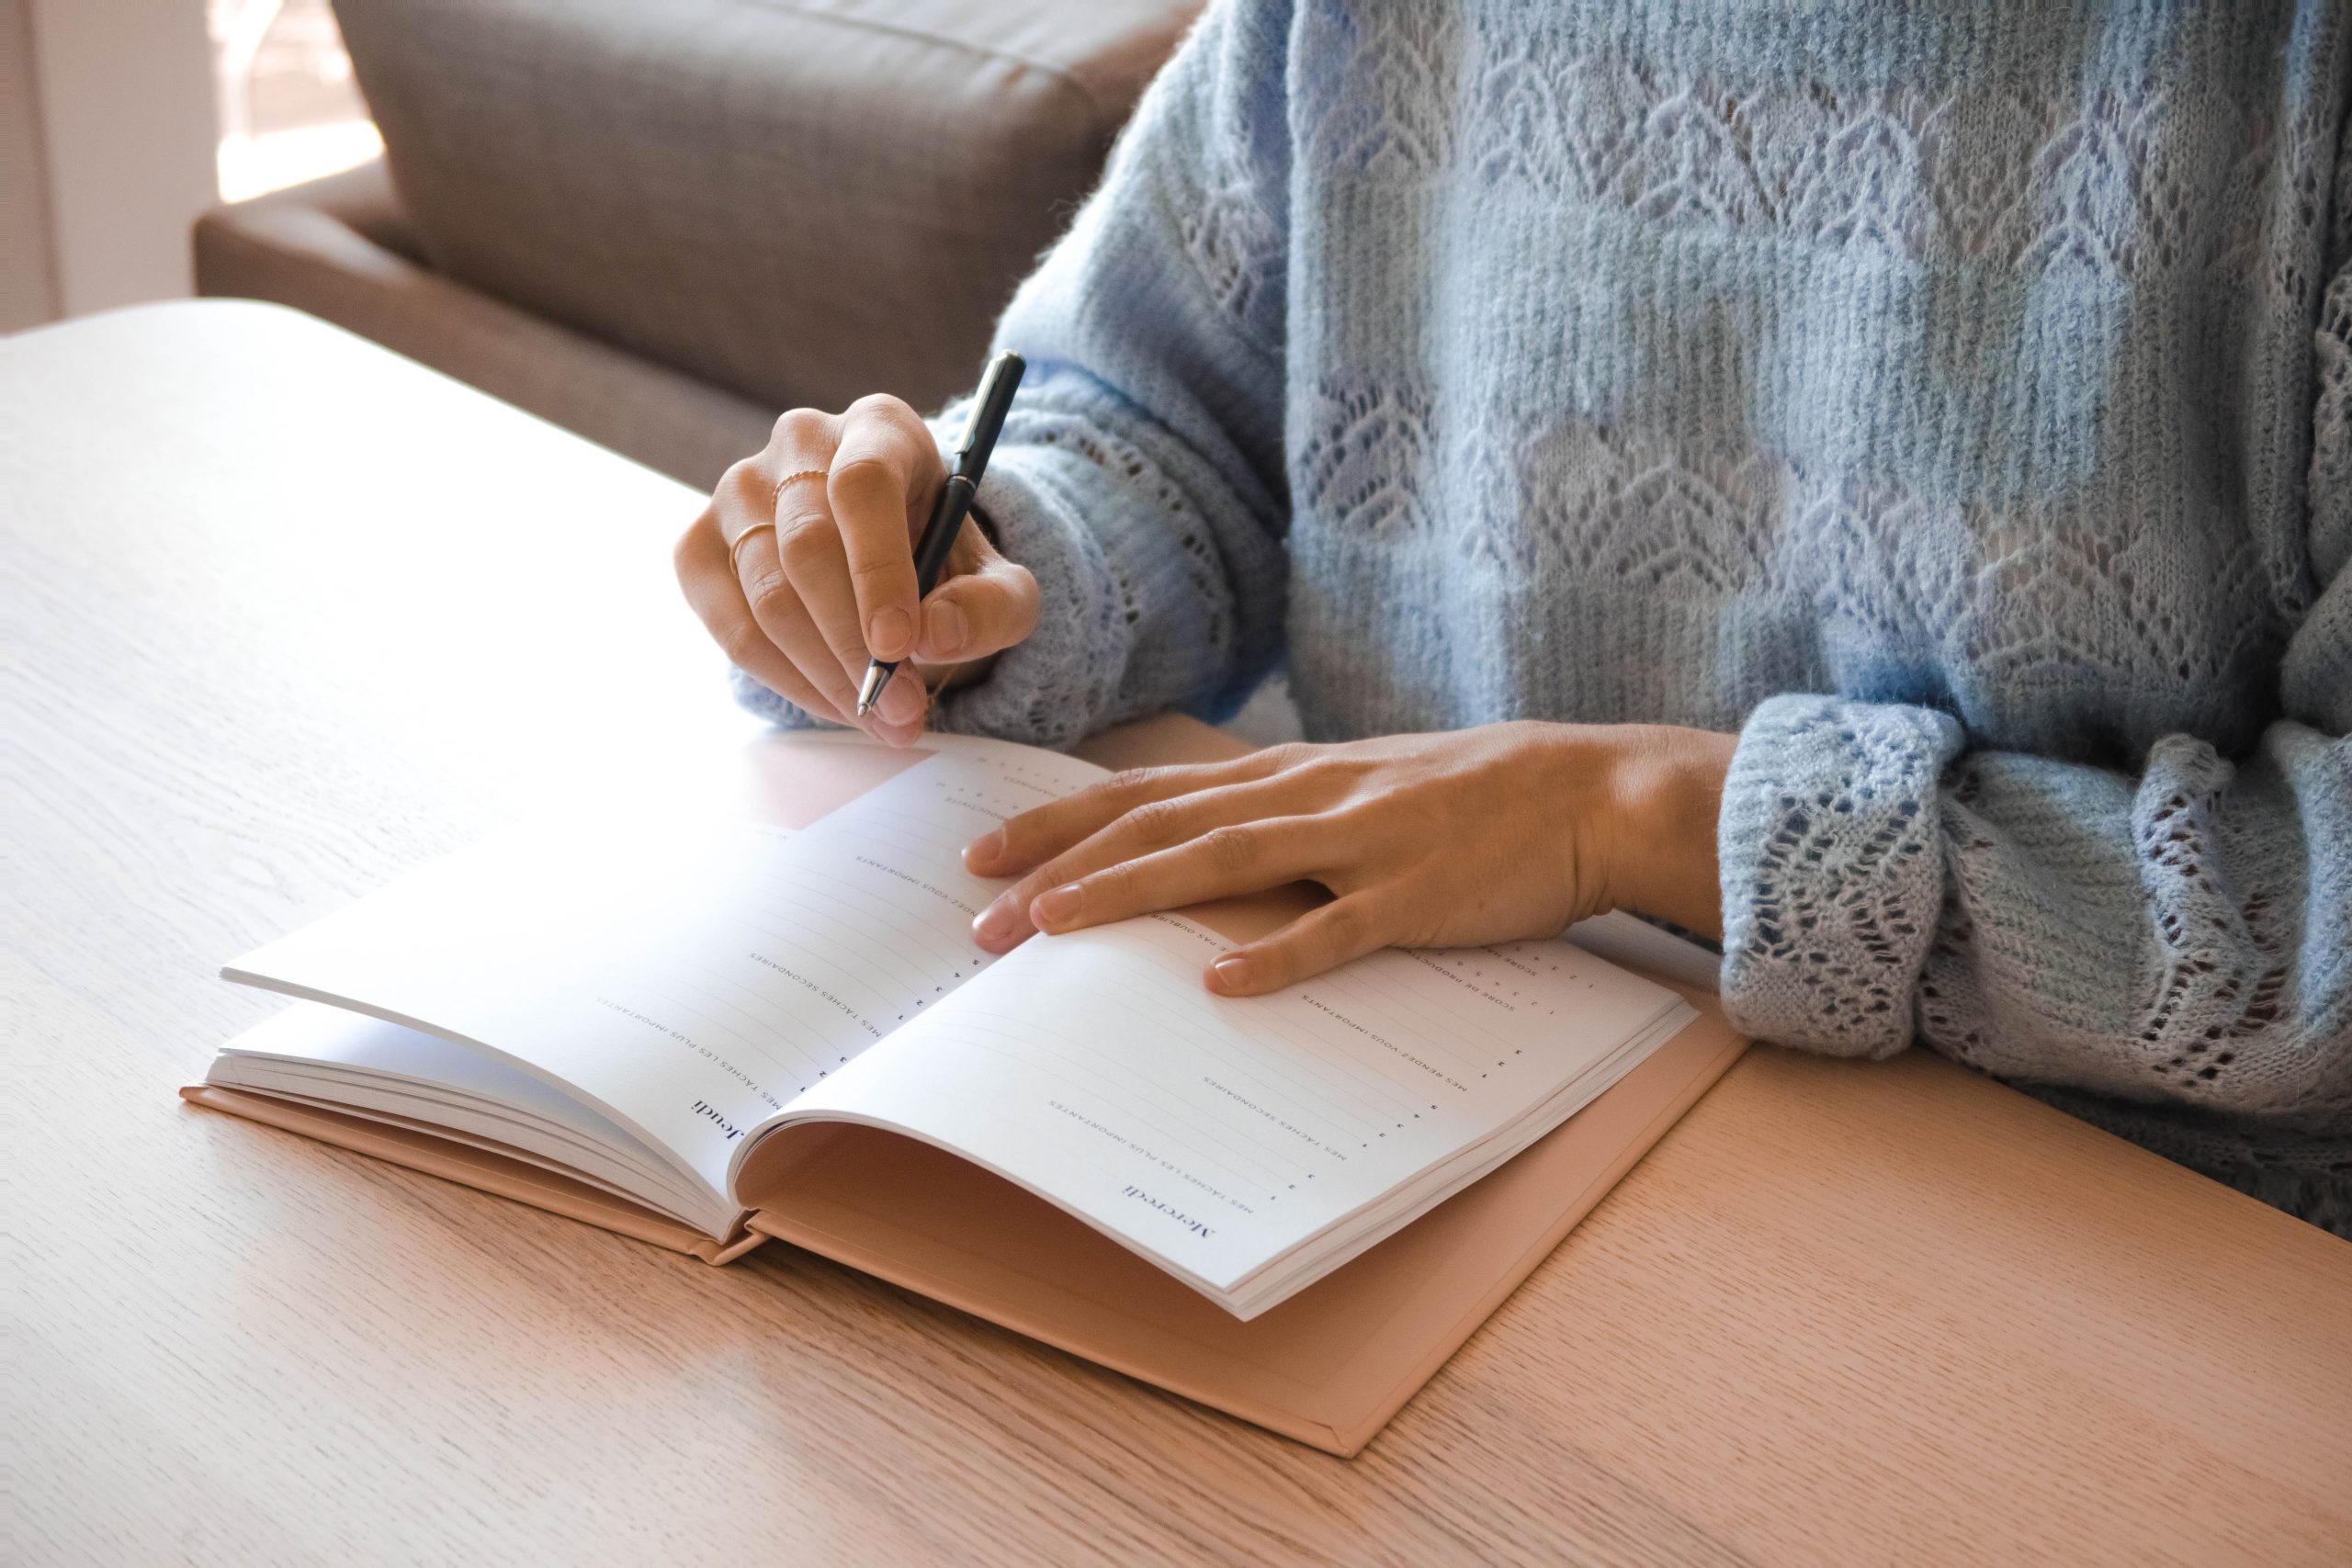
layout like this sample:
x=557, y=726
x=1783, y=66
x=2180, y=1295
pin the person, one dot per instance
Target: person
x=1870, y=483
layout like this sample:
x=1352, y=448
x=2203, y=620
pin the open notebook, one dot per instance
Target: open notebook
x=718, y=1019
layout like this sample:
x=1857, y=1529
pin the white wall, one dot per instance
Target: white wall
x=121, y=91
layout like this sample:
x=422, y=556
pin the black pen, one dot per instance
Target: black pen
x=954, y=502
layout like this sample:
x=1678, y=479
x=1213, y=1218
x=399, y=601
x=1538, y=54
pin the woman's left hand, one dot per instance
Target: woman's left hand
x=1425, y=840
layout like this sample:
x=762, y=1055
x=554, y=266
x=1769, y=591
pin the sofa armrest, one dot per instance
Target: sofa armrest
x=340, y=249
x=360, y=199
x=798, y=200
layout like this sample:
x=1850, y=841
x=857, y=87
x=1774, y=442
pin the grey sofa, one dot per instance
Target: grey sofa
x=660, y=224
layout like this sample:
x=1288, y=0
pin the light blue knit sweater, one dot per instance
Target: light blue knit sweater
x=1955, y=400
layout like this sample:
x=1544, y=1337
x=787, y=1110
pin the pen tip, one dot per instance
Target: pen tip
x=871, y=688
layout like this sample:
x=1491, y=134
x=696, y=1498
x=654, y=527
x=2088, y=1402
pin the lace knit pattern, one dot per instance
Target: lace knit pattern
x=1957, y=406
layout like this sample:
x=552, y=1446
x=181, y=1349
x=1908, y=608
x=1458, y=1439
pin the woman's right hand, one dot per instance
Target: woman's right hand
x=803, y=565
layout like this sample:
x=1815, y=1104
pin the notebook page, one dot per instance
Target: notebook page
x=335, y=1054
x=1215, y=1133
x=688, y=984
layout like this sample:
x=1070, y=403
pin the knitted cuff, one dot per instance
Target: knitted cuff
x=768, y=705
x=1832, y=870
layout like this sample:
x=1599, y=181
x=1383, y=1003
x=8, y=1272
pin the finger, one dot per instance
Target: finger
x=1151, y=826
x=812, y=560
x=1034, y=837
x=884, y=476
x=980, y=612
x=808, y=547
x=708, y=575
x=1238, y=857
x=1321, y=939
x=776, y=605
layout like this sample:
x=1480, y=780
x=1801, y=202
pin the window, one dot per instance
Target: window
x=290, y=109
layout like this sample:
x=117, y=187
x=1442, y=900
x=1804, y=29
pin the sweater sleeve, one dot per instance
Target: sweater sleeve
x=1139, y=476
x=2181, y=937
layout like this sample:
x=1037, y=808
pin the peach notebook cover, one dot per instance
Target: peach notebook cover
x=1328, y=1367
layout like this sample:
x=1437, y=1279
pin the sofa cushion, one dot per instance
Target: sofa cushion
x=801, y=202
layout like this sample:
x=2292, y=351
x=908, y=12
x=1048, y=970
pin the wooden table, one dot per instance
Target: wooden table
x=284, y=614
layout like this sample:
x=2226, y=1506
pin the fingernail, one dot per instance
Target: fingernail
x=901, y=703
x=994, y=928
x=1056, y=906
x=888, y=632
x=945, y=630
x=984, y=849
x=1232, y=971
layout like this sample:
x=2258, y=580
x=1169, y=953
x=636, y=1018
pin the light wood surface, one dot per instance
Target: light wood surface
x=281, y=615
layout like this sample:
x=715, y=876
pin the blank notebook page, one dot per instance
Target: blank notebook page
x=689, y=984
x=1218, y=1132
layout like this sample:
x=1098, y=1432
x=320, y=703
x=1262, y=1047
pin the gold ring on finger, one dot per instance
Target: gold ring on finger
x=735, y=545
x=793, y=477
